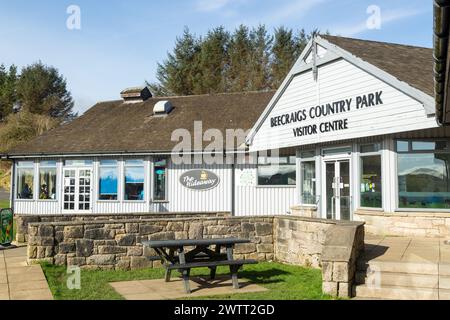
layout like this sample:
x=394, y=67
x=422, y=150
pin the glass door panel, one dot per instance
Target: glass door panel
x=330, y=189
x=337, y=189
x=77, y=190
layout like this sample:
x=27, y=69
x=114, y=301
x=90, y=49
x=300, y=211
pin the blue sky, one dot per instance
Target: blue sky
x=120, y=42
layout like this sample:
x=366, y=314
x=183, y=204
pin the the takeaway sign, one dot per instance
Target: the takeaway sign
x=199, y=180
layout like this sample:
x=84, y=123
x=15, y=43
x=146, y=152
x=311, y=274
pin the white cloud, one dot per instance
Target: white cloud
x=386, y=18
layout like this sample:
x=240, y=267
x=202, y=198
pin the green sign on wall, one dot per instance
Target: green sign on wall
x=6, y=226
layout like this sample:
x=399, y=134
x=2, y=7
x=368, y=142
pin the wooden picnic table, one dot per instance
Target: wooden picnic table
x=205, y=253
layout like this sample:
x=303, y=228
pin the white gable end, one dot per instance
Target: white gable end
x=345, y=102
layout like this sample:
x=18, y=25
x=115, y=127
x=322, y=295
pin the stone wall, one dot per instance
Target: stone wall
x=405, y=224
x=117, y=244
x=22, y=221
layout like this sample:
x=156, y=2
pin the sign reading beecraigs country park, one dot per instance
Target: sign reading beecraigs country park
x=199, y=180
x=321, y=111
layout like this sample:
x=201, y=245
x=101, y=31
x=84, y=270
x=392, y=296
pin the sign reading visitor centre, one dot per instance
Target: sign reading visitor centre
x=199, y=180
x=324, y=110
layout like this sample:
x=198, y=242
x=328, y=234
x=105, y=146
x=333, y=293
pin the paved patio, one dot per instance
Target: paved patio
x=159, y=290
x=404, y=249
x=18, y=281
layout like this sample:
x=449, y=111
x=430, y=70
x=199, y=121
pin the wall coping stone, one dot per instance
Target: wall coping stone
x=89, y=215
x=416, y=214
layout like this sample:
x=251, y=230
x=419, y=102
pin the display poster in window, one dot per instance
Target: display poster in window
x=246, y=178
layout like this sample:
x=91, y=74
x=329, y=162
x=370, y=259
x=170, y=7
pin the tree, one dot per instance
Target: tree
x=240, y=56
x=212, y=62
x=42, y=90
x=8, y=96
x=284, y=54
x=176, y=74
x=261, y=43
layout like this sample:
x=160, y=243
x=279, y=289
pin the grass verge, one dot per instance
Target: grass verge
x=283, y=281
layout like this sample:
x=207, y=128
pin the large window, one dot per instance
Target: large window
x=423, y=174
x=47, y=180
x=308, y=173
x=134, y=180
x=160, y=175
x=107, y=185
x=276, y=171
x=25, y=177
x=371, y=182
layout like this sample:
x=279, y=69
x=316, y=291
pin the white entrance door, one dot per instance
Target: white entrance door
x=77, y=190
x=337, y=189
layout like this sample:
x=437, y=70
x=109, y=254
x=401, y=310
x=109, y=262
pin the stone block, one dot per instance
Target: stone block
x=169, y=235
x=59, y=236
x=175, y=226
x=126, y=240
x=60, y=259
x=146, y=229
x=111, y=250
x=76, y=261
x=45, y=231
x=264, y=229
x=245, y=248
x=132, y=227
x=140, y=263
x=101, y=259
x=264, y=248
x=135, y=251
x=123, y=264
x=195, y=231
x=31, y=252
x=66, y=247
x=344, y=290
x=84, y=247
x=247, y=227
x=73, y=232
x=327, y=271
x=99, y=234
x=341, y=271
x=330, y=288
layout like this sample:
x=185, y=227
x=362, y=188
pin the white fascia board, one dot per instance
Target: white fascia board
x=334, y=53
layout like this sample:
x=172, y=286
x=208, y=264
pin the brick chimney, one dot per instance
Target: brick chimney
x=136, y=94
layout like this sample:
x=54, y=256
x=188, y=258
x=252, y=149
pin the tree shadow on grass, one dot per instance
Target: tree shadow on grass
x=264, y=276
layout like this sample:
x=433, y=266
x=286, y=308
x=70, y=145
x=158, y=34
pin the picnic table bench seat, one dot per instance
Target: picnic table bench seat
x=172, y=253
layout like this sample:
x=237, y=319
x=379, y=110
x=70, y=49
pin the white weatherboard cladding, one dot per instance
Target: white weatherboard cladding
x=337, y=81
x=261, y=200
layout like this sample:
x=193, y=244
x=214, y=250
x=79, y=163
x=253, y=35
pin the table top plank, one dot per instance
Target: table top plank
x=192, y=242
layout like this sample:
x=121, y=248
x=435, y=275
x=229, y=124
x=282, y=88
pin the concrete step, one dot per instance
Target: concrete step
x=398, y=267
x=396, y=292
x=384, y=278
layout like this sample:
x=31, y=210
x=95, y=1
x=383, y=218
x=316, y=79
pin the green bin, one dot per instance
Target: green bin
x=6, y=226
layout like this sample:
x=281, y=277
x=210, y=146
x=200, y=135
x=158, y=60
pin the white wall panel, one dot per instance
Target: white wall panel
x=337, y=81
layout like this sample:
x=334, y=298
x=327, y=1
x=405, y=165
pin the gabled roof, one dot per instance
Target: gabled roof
x=116, y=127
x=413, y=65
x=406, y=68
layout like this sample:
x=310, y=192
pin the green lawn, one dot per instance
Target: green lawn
x=4, y=204
x=283, y=282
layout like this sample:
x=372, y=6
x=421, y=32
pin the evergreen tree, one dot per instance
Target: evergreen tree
x=8, y=97
x=238, y=73
x=177, y=73
x=213, y=62
x=42, y=90
x=284, y=50
x=261, y=43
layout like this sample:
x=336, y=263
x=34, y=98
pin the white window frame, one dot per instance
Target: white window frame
x=360, y=155
x=97, y=180
x=153, y=160
x=16, y=184
x=39, y=167
x=145, y=187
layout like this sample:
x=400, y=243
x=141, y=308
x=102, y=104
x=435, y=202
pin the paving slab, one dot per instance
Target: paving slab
x=158, y=289
x=18, y=280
